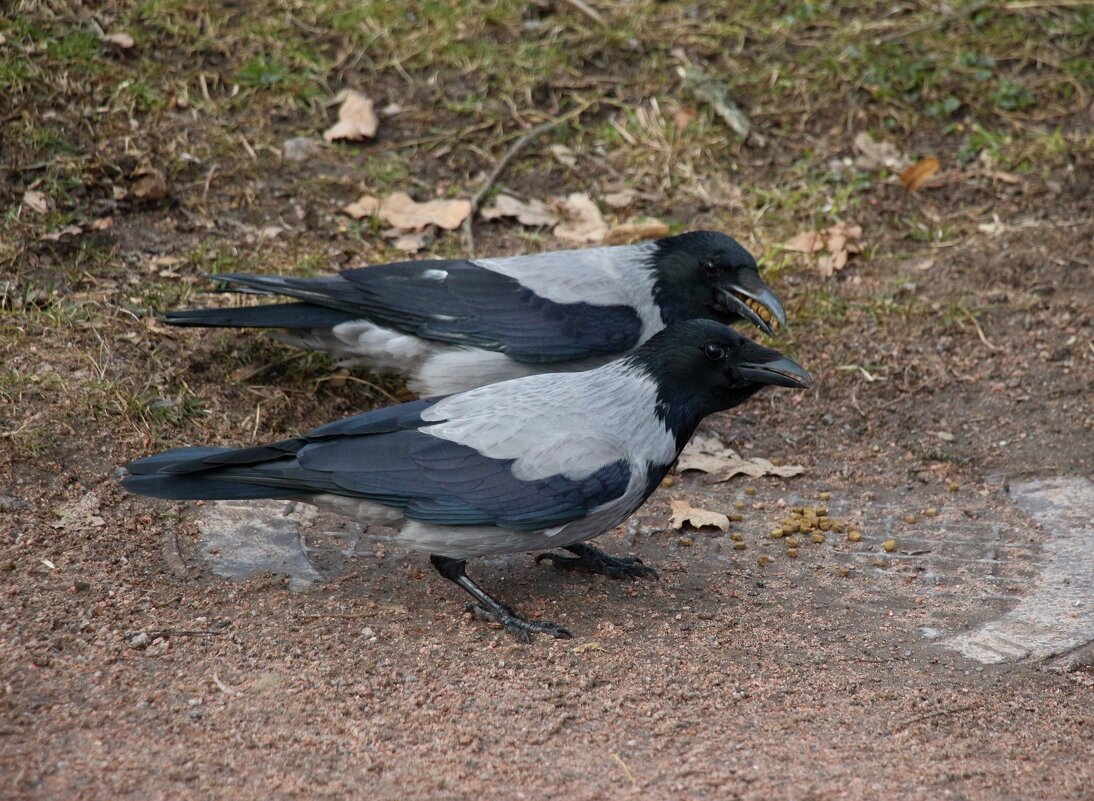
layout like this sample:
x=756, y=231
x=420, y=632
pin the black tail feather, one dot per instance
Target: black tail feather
x=278, y=315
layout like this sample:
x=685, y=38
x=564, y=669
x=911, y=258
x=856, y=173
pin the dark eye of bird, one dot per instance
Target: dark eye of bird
x=711, y=268
x=715, y=353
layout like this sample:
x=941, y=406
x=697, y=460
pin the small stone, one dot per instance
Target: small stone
x=140, y=641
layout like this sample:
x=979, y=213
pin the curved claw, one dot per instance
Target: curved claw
x=594, y=561
x=519, y=627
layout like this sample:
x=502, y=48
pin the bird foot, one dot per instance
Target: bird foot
x=594, y=560
x=516, y=625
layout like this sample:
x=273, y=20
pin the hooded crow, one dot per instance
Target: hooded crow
x=451, y=325
x=541, y=462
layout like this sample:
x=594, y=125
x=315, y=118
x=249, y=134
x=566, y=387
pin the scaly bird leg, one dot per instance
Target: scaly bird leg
x=596, y=561
x=453, y=570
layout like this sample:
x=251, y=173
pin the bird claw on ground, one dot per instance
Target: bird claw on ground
x=595, y=561
x=517, y=626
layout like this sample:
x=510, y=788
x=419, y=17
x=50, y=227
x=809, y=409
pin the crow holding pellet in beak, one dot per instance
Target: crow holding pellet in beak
x=450, y=325
x=533, y=464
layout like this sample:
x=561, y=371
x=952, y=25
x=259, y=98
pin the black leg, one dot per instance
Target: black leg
x=596, y=561
x=453, y=570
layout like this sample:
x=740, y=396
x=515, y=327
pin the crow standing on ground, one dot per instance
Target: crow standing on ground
x=450, y=325
x=547, y=461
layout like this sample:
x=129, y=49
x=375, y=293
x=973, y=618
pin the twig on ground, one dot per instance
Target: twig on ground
x=980, y=331
x=517, y=146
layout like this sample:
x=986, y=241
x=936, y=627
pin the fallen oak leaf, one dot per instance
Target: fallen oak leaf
x=919, y=173
x=35, y=201
x=709, y=455
x=403, y=212
x=805, y=242
x=582, y=220
x=683, y=514
x=531, y=213
x=357, y=119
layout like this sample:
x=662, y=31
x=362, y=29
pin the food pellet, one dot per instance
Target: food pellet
x=889, y=546
x=822, y=512
x=825, y=496
x=686, y=541
x=738, y=546
x=818, y=538
x=776, y=533
x=734, y=517
x=909, y=519
x=931, y=512
x=792, y=553
x=854, y=536
x=844, y=572
x=667, y=482
x=763, y=559
x=737, y=536
x=792, y=542
x=738, y=504
x=953, y=486
x=750, y=490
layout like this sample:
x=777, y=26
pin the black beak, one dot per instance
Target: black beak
x=782, y=372
x=751, y=299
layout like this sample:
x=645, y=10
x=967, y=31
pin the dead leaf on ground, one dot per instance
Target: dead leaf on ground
x=122, y=41
x=401, y=211
x=919, y=173
x=80, y=514
x=149, y=186
x=805, y=242
x=532, y=212
x=874, y=155
x=635, y=231
x=839, y=243
x=412, y=242
x=35, y=201
x=684, y=514
x=708, y=455
x=582, y=220
x=357, y=119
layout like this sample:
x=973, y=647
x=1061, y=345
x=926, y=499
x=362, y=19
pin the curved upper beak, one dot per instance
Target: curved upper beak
x=751, y=299
x=781, y=372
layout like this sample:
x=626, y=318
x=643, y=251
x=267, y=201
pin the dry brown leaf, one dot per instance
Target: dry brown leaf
x=364, y=206
x=684, y=514
x=708, y=455
x=874, y=155
x=357, y=119
x=531, y=213
x=122, y=41
x=403, y=212
x=102, y=224
x=805, y=242
x=635, y=231
x=149, y=186
x=35, y=201
x=919, y=173
x=413, y=242
x=582, y=221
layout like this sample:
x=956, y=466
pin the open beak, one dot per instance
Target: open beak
x=782, y=372
x=752, y=300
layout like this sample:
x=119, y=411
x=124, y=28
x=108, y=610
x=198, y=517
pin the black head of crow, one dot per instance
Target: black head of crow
x=710, y=271
x=544, y=462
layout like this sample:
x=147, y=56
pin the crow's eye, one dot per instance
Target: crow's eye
x=715, y=353
x=711, y=268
